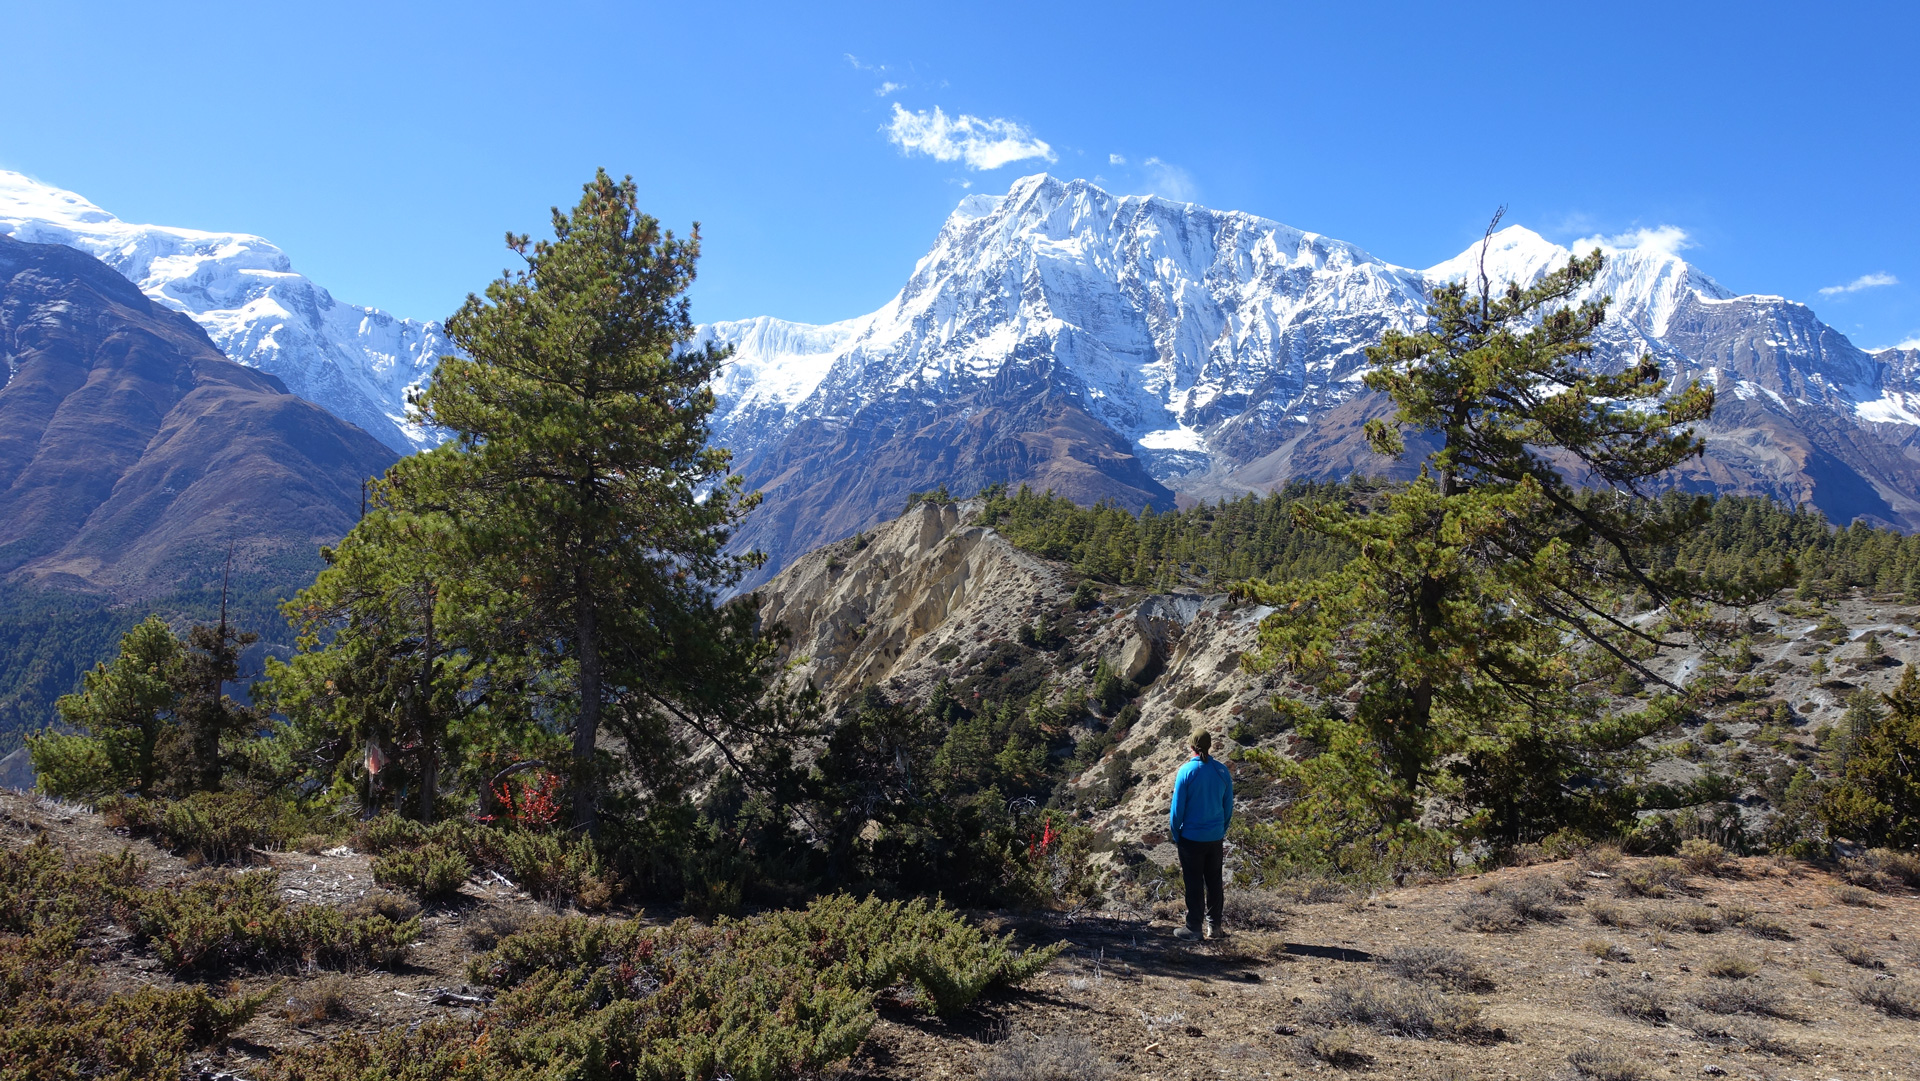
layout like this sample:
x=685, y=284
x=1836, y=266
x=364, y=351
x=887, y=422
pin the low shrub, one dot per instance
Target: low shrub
x=1855, y=896
x=1440, y=965
x=1703, y=857
x=1400, y=1009
x=1658, y=877
x=1602, y=1064
x=40, y=887
x=1731, y=966
x=1255, y=910
x=1637, y=1001
x=1699, y=918
x=239, y=920
x=780, y=995
x=1608, y=914
x=1856, y=954
x=218, y=827
x=1023, y=1056
x=1744, y=996
x=56, y=1020
x=1602, y=950
x=1508, y=908
x=553, y=868
x=1734, y=1031
x=1334, y=1047
x=1889, y=997
x=1902, y=866
x=319, y=999
x=432, y=872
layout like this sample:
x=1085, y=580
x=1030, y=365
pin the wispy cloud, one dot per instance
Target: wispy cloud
x=1115, y=159
x=1864, y=281
x=1667, y=239
x=886, y=88
x=1170, y=181
x=979, y=142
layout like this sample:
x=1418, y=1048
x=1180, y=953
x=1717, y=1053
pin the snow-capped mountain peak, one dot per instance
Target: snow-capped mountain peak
x=1220, y=352
x=359, y=363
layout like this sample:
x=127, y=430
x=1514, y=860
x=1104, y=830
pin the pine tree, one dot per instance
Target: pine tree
x=1876, y=800
x=578, y=475
x=122, y=717
x=1526, y=528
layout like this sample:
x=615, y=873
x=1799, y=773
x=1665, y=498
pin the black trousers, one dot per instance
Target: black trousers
x=1201, y=863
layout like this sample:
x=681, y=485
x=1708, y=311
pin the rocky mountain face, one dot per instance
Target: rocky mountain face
x=1135, y=349
x=358, y=363
x=133, y=455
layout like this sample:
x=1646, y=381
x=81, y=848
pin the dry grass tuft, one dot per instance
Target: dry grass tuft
x=1699, y=918
x=320, y=1000
x=1888, y=997
x=1023, y=1056
x=1609, y=914
x=1505, y=909
x=1745, y=996
x=1603, y=858
x=1256, y=910
x=1855, y=953
x=1731, y=966
x=1333, y=1047
x=1399, y=1009
x=1314, y=890
x=1735, y=1031
x=1855, y=896
x=485, y=930
x=1440, y=965
x=397, y=907
x=1606, y=951
x=1602, y=1064
x=1766, y=927
x=1639, y=1001
x=1657, y=878
x=1703, y=857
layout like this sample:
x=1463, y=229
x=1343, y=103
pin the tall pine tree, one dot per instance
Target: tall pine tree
x=578, y=475
x=1451, y=630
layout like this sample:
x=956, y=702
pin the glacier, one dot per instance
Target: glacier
x=358, y=363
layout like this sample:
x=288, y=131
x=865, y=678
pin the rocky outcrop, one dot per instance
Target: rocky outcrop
x=931, y=594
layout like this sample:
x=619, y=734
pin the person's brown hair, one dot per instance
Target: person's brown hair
x=1201, y=741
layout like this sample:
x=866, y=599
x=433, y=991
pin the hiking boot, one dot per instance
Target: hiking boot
x=1186, y=934
x=1214, y=930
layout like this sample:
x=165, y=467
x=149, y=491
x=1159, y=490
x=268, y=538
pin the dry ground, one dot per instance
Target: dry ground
x=1144, y=1005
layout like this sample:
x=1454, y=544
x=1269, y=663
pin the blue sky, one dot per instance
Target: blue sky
x=387, y=147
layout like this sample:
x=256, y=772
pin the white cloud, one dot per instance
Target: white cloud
x=1115, y=159
x=1864, y=281
x=1170, y=181
x=982, y=143
x=1910, y=343
x=886, y=88
x=1666, y=239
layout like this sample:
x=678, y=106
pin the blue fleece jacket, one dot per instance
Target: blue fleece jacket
x=1202, y=800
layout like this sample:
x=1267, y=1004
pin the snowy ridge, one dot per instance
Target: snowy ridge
x=358, y=363
x=1208, y=338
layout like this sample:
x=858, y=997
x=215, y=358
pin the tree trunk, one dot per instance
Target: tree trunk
x=424, y=728
x=586, y=729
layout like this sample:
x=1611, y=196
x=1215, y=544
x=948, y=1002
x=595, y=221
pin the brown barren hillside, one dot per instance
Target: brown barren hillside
x=133, y=454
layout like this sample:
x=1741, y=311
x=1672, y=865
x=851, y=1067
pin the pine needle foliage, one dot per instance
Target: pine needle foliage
x=1452, y=629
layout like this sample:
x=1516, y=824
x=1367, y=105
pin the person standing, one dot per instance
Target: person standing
x=1202, y=808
